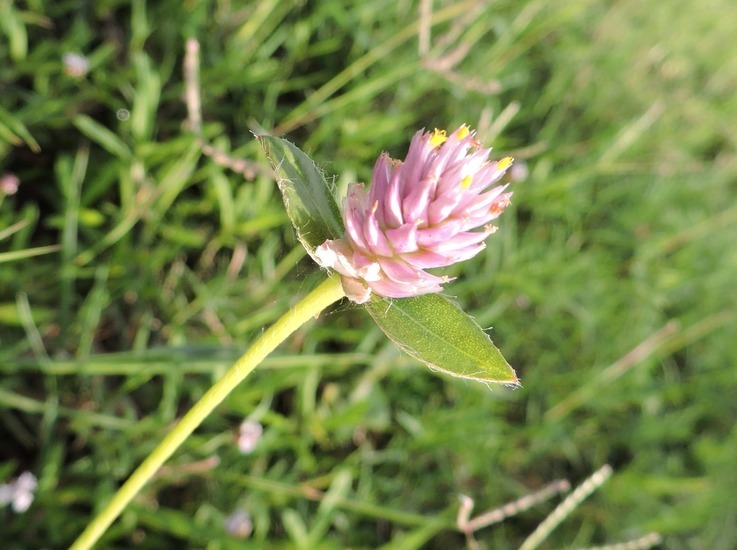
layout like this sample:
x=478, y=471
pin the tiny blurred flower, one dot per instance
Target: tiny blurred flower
x=249, y=434
x=7, y=491
x=519, y=171
x=239, y=524
x=75, y=65
x=9, y=184
x=19, y=493
x=418, y=214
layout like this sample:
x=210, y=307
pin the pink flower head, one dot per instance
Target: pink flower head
x=418, y=214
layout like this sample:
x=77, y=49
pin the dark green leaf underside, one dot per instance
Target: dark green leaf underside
x=308, y=199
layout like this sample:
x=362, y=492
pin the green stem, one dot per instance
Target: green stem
x=311, y=306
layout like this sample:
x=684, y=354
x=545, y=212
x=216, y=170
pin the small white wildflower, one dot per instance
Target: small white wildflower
x=519, y=171
x=9, y=184
x=249, y=434
x=239, y=524
x=75, y=65
x=7, y=493
x=19, y=493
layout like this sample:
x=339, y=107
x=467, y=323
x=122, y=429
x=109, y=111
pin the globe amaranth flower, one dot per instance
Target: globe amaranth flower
x=432, y=210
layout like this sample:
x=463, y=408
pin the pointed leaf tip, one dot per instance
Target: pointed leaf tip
x=309, y=202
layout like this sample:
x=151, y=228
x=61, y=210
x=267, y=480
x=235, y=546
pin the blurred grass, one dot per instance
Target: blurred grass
x=134, y=267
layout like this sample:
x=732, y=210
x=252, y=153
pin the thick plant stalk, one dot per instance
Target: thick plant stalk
x=328, y=292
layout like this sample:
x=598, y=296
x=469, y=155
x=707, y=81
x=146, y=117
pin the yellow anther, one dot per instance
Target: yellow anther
x=466, y=182
x=463, y=131
x=504, y=163
x=438, y=137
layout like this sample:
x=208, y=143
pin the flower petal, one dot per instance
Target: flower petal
x=403, y=239
x=432, y=210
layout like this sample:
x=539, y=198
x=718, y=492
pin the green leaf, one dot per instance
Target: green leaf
x=436, y=331
x=13, y=130
x=309, y=201
x=102, y=136
x=12, y=24
x=26, y=253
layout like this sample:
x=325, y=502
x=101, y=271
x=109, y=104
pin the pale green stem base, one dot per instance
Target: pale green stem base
x=311, y=306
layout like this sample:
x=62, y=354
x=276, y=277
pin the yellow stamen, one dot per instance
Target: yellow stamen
x=504, y=163
x=438, y=137
x=463, y=131
x=466, y=182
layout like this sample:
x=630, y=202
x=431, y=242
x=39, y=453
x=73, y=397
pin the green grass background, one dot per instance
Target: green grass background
x=610, y=285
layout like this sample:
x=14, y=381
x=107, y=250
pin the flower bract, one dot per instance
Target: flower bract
x=431, y=210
